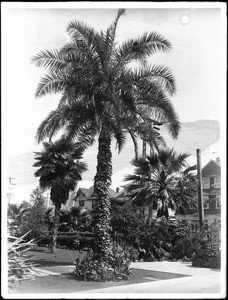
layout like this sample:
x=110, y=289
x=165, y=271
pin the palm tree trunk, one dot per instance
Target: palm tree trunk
x=55, y=228
x=102, y=182
x=150, y=212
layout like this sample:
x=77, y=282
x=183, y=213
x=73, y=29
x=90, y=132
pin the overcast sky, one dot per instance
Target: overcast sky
x=195, y=59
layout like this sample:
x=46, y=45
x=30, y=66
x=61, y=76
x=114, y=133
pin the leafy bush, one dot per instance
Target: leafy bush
x=67, y=240
x=44, y=240
x=113, y=267
x=204, y=255
x=70, y=240
x=210, y=259
x=182, y=248
x=126, y=220
x=19, y=263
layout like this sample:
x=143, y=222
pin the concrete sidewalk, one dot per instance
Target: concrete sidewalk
x=201, y=281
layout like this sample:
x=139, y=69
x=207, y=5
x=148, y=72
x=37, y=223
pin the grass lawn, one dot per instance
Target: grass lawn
x=42, y=257
x=66, y=282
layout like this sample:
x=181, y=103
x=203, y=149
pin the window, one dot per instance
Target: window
x=217, y=182
x=206, y=202
x=81, y=203
x=212, y=181
x=206, y=182
x=218, y=179
x=218, y=201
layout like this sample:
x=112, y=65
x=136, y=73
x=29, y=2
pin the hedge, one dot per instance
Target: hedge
x=70, y=240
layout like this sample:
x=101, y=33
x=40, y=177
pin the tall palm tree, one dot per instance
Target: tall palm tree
x=163, y=180
x=59, y=170
x=103, y=96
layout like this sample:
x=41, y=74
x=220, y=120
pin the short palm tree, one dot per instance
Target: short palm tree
x=102, y=96
x=16, y=214
x=163, y=180
x=59, y=170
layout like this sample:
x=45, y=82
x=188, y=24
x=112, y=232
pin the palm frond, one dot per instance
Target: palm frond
x=161, y=109
x=153, y=42
x=158, y=74
x=145, y=45
x=48, y=59
x=82, y=33
x=50, y=83
x=120, y=137
x=109, y=36
x=50, y=125
x=134, y=139
x=189, y=169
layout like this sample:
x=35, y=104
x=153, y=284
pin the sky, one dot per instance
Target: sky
x=196, y=32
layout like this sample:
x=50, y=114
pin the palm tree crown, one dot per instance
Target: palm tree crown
x=99, y=89
x=163, y=179
x=59, y=168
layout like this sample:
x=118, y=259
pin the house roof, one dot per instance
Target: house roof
x=211, y=168
x=85, y=191
x=89, y=193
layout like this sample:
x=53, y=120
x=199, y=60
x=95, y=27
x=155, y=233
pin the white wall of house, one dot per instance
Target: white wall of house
x=82, y=202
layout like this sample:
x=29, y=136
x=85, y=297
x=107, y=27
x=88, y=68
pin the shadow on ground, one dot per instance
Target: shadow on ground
x=50, y=263
x=67, y=283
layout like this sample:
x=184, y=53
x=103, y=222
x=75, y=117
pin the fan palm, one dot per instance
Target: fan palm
x=16, y=214
x=163, y=180
x=59, y=170
x=102, y=96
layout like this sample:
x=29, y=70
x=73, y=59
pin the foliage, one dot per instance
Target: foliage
x=16, y=214
x=28, y=216
x=183, y=248
x=70, y=240
x=34, y=221
x=102, y=96
x=60, y=169
x=207, y=259
x=162, y=239
x=162, y=180
x=19, y=262
x=82, y=219
x=204, y=255
x=125, y=222
x=112, y=267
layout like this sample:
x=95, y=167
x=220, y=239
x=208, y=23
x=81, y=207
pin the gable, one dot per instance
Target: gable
x=89, y=194
x=211, y=168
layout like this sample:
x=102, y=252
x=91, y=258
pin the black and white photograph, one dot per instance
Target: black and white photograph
x=113, y=150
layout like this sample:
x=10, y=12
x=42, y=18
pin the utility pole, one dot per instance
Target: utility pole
x=10, y=188
x=200, y=188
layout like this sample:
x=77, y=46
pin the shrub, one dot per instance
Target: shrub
x=182, y=248
x=19, y=263
x=70, y=240
x=204, y=256
x=44, y=240
x=113, y=267
x=210, y=259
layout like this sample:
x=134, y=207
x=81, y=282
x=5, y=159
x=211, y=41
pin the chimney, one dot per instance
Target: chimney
x=117, y=190
x=218, y=159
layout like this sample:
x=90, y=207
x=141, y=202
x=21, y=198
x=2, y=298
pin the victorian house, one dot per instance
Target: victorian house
x=211, y=177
